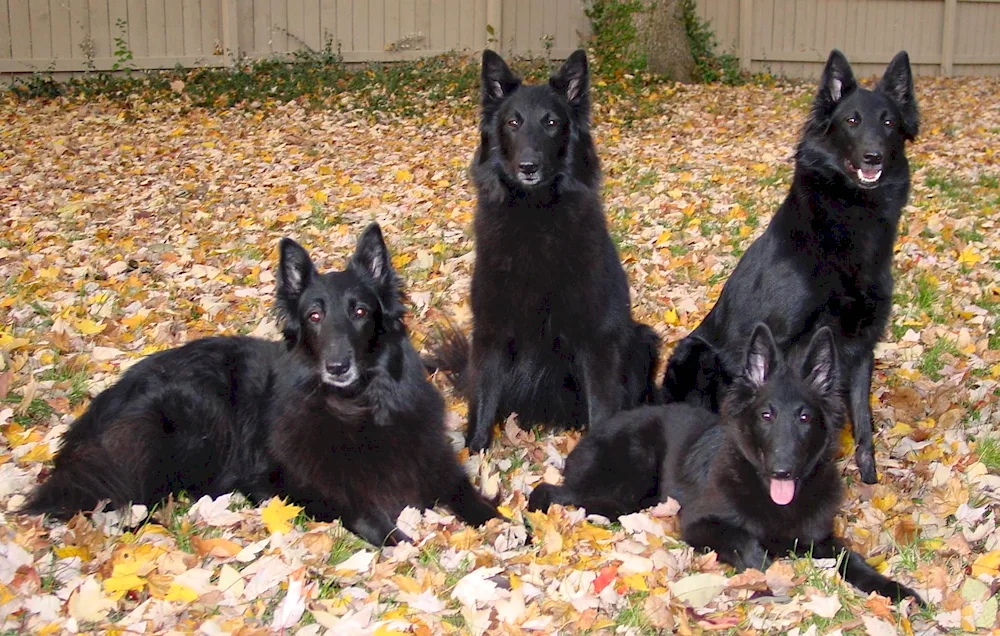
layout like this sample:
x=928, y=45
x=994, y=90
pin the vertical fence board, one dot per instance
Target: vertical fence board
x=156, y=23
x=138, y=28
x=359, y=25
x=328, y=19
x=5, y=52
x=59, y=16
x=345, y=14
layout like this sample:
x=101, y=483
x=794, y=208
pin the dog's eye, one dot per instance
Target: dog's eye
x=550, y=122
x=888, y=123
x=852, y=121
x=360, y=312
x=315, y=316
x=804, y=417
x=765, y=415
x=513, y=124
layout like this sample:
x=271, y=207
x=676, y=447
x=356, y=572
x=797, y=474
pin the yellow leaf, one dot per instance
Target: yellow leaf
x=407, y=584
x=675, y=193
x=401, y=259
x=119, y=584
x=182, y=593
x=885, y=503
x=355, y=190
x=636, y=582
x=969, y=256
x=385, y=630
x=40, y=453
x=288, y=217
x=321, y=197
x=670, y=316
x=663, y=238
x=277, y=514
x=404, y=176
x=759, y=168
x=9, y=342
x=988, y=563
x=48, y=273
x=88, y=327
x=68, y=551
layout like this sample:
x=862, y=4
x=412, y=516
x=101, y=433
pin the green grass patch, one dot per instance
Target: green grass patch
x=931, y=363
x=988, y=449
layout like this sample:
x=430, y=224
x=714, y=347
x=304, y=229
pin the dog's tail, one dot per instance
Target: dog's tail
x=642, y=358
x=450, y=356
x=695, y=374
x=83, y=476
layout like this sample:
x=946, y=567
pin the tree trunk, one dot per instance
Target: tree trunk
x=662, y=36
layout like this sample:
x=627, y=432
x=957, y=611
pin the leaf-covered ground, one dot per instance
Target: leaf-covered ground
x=130, y=228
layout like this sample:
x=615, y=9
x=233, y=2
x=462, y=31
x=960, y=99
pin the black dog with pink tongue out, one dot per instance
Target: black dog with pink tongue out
x=756, y=482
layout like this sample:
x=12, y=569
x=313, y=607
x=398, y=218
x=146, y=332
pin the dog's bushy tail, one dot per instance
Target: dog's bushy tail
x=642, y=358
x=450, y=356
x=83, y=476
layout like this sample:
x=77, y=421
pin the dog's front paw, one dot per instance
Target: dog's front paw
x=866, y=465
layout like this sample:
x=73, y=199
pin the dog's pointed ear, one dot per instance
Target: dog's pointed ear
x=836, y=83
x=371, y=256
x=573, y=79
x=897, y=83
x=295, y=270
x=497, y=79
x=762, y=352
x=820, y=367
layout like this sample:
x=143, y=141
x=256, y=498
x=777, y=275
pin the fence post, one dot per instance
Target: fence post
x=948, y=37
x=494, y=18
x=746, y=33
x=230, y=30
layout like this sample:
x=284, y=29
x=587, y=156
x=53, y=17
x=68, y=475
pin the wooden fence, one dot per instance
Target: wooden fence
x=787, y=37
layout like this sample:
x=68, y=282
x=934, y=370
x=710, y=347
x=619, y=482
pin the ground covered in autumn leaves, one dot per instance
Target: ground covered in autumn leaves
x=131, y=227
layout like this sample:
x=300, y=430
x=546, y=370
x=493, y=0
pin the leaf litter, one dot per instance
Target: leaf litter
x=130, y=229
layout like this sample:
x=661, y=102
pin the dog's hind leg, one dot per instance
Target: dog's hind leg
x=485, y=403
x=858, y=573
x=861, y=418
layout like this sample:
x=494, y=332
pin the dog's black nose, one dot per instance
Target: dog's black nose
x=339, y=367
x=782, y=474
x=528, y=167
x=873, y=158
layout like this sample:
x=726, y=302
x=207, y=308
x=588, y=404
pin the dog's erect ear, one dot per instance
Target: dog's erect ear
x=573, y=79
x=836, y=83
x=295, y=270
x=897, y=83
x=497, y=79
x=820, y=367
x=761, y=355
x=371, y=256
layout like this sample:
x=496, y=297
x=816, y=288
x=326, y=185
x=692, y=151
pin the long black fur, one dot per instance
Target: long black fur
x=340, y=417
x=779, y=421
x=826, y=257
x=553, y=337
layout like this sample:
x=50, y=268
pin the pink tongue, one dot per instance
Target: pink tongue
x=869, y=174
x=782, y=491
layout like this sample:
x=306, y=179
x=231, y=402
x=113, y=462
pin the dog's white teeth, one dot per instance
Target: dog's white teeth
x=863, y=178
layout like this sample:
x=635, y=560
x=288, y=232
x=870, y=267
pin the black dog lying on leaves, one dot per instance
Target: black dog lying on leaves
x=825, y=260
x=340, y=417
x=754, y=483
